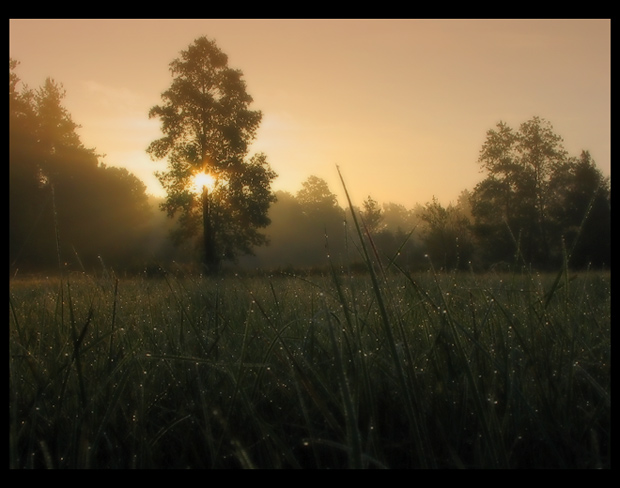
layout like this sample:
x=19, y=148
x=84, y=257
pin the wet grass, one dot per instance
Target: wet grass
x=385, y=369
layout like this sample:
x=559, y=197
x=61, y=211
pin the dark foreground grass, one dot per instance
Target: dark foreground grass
x=368, y=371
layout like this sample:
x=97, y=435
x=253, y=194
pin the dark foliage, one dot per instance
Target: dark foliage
x=64, y=205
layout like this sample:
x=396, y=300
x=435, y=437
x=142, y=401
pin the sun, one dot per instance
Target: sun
x=202, y=180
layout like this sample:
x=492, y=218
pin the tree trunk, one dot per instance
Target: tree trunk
x=210, y=256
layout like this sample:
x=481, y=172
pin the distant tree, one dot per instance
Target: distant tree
x=397, y=217
x=292, y=237
x=536, y=203
x=315, y=196
x=372, y=215
x=123, y=211
x=446, y=234
x=208, y=127
x=322, y=217
x=581, y=212
x=399, y=238
x=511, y=205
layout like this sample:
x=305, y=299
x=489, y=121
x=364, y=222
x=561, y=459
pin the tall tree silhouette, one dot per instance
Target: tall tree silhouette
x=208, y=127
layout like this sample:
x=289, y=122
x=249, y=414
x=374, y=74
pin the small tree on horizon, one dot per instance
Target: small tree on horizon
x=372, y=215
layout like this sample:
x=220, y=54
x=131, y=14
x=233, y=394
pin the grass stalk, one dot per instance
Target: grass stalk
x=387, y=328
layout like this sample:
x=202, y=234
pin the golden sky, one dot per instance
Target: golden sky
x=402, y=106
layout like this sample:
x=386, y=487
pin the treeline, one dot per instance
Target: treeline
x=536, y=206
x=66, y=208
x=474, y=232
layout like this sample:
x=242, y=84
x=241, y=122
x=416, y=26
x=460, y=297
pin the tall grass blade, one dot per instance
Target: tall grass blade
x=387, y=327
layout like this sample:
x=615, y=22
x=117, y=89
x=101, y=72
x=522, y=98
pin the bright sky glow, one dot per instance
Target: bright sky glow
x=402, y=106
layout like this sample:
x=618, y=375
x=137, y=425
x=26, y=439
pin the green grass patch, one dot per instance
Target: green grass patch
x=390, y=370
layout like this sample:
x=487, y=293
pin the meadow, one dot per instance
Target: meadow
x=375, y=369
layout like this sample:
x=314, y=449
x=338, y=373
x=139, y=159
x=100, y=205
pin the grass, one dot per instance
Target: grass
x=381, y=370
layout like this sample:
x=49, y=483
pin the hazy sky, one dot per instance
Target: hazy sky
x=402, y=106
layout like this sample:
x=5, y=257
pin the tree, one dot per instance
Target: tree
x=536, y=203
x=208, y=127
x=25, y=195
x=372, y=215
x=50, y=175
x=316, y=197
x=296, y=239
x=581, y=212
x=64, y=204
x=446, y=233
x=511, y=206
x=322, y=217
